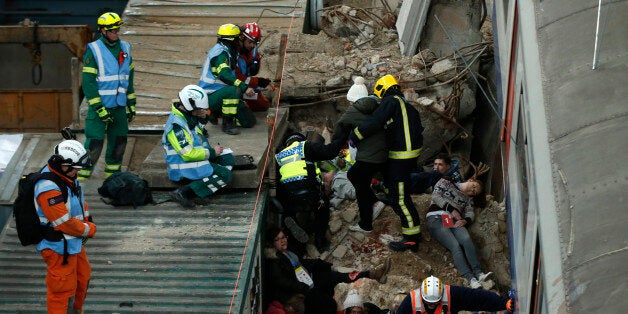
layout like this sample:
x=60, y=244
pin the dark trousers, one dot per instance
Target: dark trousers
x=308, y=205
x=360, y=176
x=398, y=182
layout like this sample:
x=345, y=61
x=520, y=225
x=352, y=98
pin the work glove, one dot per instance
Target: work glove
x=103, y=114
x=263, y=82
x=254, y=67
x=84, y=240
x=130, y=113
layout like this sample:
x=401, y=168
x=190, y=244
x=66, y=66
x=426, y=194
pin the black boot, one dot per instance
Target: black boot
x=184, y=196
x=406, y=243
x=228, y=125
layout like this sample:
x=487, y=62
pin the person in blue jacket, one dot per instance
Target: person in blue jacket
x=190, y=159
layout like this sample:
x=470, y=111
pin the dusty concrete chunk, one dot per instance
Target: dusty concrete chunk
x=349, y=215
x=335, y=225
x=334, y=81
x=444, y=69
x=340, y=251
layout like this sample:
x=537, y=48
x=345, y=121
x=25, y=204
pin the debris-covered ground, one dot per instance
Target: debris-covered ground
x=354, y=43
x=353, y=250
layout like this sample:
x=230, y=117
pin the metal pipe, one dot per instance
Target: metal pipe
x=597, y=31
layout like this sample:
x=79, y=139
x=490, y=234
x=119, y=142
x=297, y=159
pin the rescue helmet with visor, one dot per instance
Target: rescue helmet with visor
x=252, y=32
x=193, y=97
x=383, y=84
x=70, y=153
x=109, y=21
x=228, y=32
x=431, y=289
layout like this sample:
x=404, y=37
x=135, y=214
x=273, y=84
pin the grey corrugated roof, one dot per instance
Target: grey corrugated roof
x=159, y=258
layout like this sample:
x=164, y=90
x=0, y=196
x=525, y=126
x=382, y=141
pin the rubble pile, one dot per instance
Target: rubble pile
x=361, y=251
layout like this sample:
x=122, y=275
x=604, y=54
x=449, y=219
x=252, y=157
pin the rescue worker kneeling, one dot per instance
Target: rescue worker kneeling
x=301, y=190
x=189, y=157
x=436, y=297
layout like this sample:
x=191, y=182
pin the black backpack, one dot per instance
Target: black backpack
x=125, y=188
x=27, y=223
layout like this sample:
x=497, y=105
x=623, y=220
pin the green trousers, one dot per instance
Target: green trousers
x=116, y=134
x=226, y=102
x=219, y=179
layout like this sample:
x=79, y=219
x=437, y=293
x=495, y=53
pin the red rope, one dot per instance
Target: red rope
x=268, y=152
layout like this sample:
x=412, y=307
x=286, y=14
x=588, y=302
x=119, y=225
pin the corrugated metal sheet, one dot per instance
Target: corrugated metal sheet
x=158, y=258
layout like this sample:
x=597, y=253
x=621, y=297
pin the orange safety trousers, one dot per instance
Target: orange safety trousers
x=66, y=281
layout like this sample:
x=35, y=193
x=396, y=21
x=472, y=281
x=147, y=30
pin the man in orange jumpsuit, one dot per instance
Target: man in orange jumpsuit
x=68, y=268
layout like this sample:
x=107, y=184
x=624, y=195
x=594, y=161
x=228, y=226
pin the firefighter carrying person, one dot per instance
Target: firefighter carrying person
x=223, y=88
x=301, y=191
x=189, y=157
x=108, y=88
x=249, y=63
x=435, y=297
x=404, y=140
x=68, y=270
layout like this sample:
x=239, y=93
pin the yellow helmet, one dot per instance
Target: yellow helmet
x=109, y=21
x=383, y=84
x=228, y=32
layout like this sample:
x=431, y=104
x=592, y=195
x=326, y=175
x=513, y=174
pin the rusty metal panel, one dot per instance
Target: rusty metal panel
x=75, y=37
x=35, y=111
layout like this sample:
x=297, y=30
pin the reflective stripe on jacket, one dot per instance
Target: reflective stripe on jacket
x=208, y=81
x=178, y=168
x=402, y=124
x=73, y=204
x=112, y=78
x=293, y=166
x=417, y=302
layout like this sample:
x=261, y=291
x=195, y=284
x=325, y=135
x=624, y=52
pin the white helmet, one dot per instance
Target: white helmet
x=432, y=289
x=71, y=153
x=193, y=97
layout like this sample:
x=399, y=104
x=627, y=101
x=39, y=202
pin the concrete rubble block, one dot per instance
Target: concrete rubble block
x=425, y=101
x=336, y=81
x=335, y=225
x=349, y=215
x=444, y=69
x=375, y=58
x=345, y=9
x=423, y=58
x=340, y=251
x=358, y=236
x=467, y=101
x=353, y=65
x=339, y=63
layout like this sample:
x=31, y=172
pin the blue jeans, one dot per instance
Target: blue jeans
x=455, y=240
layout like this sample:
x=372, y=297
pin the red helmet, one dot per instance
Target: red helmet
x=252, y=32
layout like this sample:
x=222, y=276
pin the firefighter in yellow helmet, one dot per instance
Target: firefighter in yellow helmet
x=108, y=88
x=404, y=141
x=223, y=88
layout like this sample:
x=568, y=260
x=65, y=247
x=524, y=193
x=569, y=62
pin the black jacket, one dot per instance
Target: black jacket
x=464, y=299
x=281, y=281
x=402, y=124
x=372, y=149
